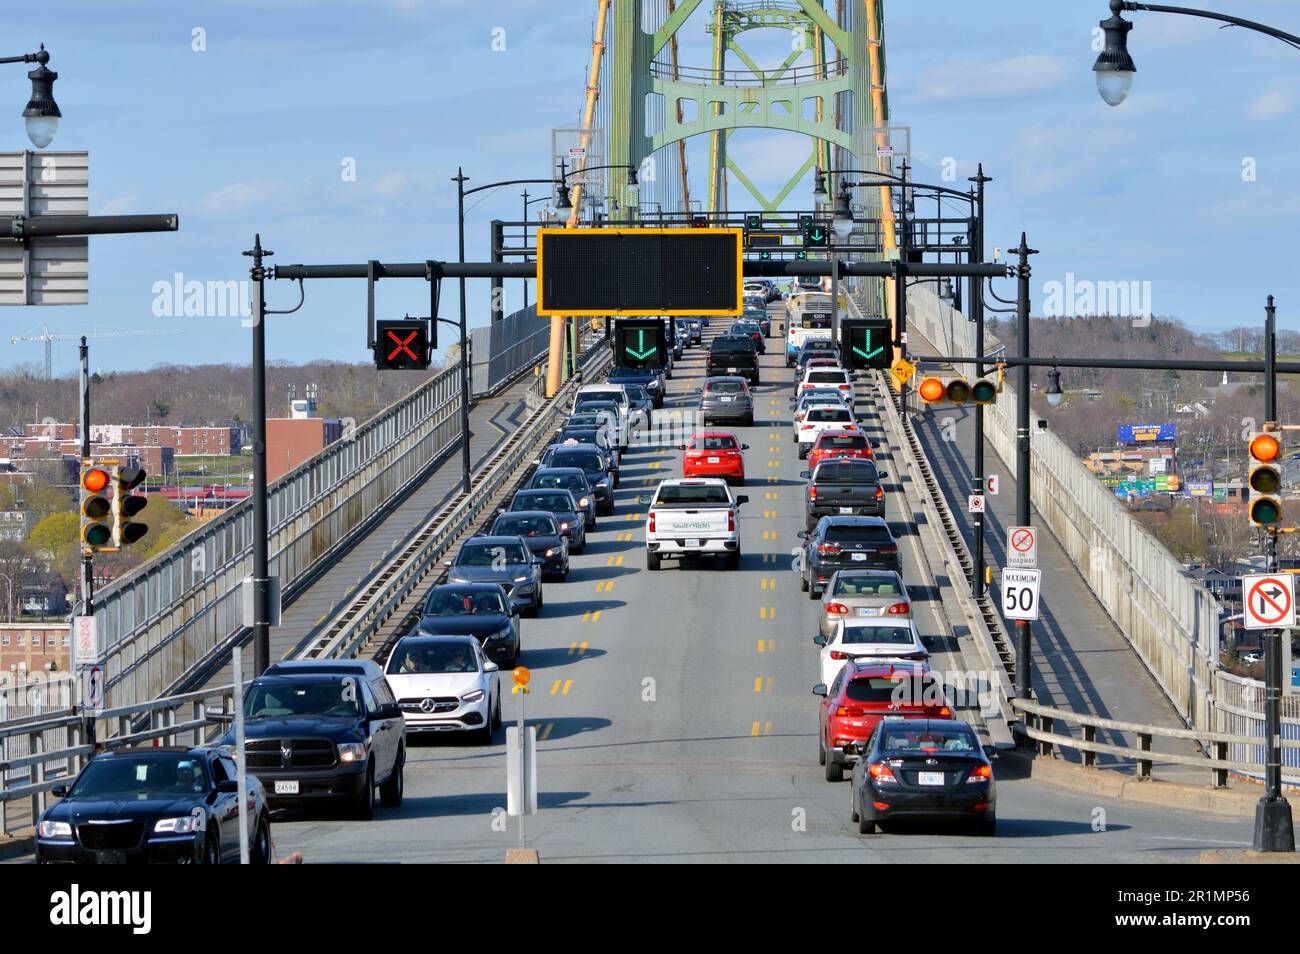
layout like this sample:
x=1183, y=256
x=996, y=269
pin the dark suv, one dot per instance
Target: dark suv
x=843, y=485
x=733, y=354
x=327, y=731
x=843, y=543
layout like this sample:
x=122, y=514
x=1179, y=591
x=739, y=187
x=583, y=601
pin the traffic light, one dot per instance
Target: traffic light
x=640, y=343
x=753, y=221
x=96, y=509
x=402, y=345
x=816, y=236
x=958, y=390
x=700, y=222
x=1265, y=480
x=127, y=505
x=865, y=343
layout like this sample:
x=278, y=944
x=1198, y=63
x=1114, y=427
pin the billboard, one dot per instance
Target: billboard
x=1146, y=433
x=1200, y=488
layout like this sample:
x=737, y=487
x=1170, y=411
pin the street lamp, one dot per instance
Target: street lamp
x=562, y=201
x=842, y=225
x=1054, y=393
x=1114, y=67
x=42, y=112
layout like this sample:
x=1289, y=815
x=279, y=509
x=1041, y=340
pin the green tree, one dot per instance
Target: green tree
x=1181, y=534
x=55, y=540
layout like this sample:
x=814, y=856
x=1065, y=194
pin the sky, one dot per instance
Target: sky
x=246, y=116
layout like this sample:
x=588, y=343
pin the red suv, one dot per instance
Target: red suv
x=839, y=443
x=865, y=692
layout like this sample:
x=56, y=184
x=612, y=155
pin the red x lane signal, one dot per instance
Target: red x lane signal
x=402, y=345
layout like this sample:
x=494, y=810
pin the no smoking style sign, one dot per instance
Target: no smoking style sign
x=1269, y=601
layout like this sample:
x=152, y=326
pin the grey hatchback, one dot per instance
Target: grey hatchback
x=727, y=399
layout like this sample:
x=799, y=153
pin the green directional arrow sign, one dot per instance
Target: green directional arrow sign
x=866, y=351
x=865, y=343
x=641, y=352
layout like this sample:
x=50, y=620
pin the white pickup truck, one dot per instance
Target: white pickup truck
x=693, y=517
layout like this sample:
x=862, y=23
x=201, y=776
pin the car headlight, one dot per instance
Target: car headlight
x=474, y=696
x=564, y=525
x=456, y=578
x=55, y=829
x=521, y=579
x=583, y=502
x=353, y=751
x=502, y=633
x=184, y=825
x=550, y=551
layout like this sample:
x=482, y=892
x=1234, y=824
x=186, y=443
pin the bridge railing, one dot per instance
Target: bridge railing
x=180, y=609
x=1169, y=619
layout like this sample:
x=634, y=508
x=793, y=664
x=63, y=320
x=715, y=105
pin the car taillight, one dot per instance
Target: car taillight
x=652, y=522
x=944, y=713
x=852, y=712
x=805, y=427
x=837, y=654
x=828, y=548
x=812, y=493
x=880, y=493
x=837, y=609
x=731, y=521
x=881, y=772
x=889, y=548
x=844, y=387
x=981, y=773
x=899, y=609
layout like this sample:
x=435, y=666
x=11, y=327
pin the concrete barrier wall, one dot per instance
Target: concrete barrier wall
x=1170, y=620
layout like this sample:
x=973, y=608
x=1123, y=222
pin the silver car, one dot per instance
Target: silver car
x=727, y=399
x=863, y=594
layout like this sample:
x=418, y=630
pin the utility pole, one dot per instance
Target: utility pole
x=1273, y=827
x=87, y=560
x=261, y=529
x=976, y=254
x=465, y=467
x=1024, y=683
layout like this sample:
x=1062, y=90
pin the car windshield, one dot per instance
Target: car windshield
x=556, y=503
x=854, y=533
x=691, y=494
x=850, y=471
x=901, y=689
x=875, y=585
x=831, y=414
x=595, y=406
x=525, y=526
x=617, y=396
x=636, y=392
x=821, y=396
x=416, y=656
x=900, y=739
x=816, y=376
x=849, y=441
x=725, y=387
x=714, y=443
x=337, y=696
x=733, y=343
x=138, y=777
x=589, y=461
x=574, y=482
x=585, y=420
x=888, y=635
x=462, y=602
x=491, y=554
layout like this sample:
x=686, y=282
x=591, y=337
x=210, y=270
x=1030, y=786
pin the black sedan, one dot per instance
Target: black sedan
x=561, y=505
x=541, y=532
x=572, y=479
x=503, y=560
x=481, y=610
x=146, y=804
x=594, y=462
x=925, y=769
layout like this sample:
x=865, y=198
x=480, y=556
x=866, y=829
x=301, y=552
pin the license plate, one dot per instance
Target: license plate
x=110, y=857
x=860, y=557
x=731, y=370
x=726, y=400
x=930, y=778
x=868, y=611
x=714, y=460
x=286, y=787
x=692, y=541
x=846, y=510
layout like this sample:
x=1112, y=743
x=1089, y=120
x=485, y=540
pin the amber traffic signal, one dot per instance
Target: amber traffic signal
x=1265, y=480
x=96, y=509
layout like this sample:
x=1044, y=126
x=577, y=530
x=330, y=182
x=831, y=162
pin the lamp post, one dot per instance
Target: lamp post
x=842, y=225
x=1115, y=67
x=42, y=112
x=1024, y=682
x=461, y=192
x=527, y=203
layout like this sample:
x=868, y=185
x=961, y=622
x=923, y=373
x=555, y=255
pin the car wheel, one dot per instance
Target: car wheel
x=261, y=848
x=803, y=451
x=591, y=528
x=749, y=421
x=390, y=793
x=803, y=583
x=854, y=815
x=211, y=850
x=740, y=481
x=813, y=592
x=733, y=561
x=821, y=750
x=652, y=561
x=866, y=826
x=987, y=827
x=834, y=770
x=364, y=809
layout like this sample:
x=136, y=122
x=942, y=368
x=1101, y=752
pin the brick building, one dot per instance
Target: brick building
x=292, y=440
x=34, y=647
x=153, y=458
x=182, y=440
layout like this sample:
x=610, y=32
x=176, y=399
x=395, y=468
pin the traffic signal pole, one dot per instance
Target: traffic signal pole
x=1273, y=827
x=87, y=560
x=1024, y=682
x=261, y=524
x=976, y=254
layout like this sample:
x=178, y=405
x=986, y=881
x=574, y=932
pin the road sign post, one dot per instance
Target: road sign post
x=521, y=760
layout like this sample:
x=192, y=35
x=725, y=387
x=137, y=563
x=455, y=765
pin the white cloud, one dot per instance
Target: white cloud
x=239, y=196
x=1272, y=105
x=1017, y=76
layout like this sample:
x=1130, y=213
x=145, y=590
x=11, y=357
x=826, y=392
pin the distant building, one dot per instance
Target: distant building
x=13, y=525
x=33, y=647
x=182, y=440
x=292, y=440
x=154, y=459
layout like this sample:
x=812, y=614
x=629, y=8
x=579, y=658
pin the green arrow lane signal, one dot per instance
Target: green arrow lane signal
x=642, y=353
x=869, y=352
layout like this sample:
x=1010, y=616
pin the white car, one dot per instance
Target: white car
x=870, y=638
x=445, y=684
x=809, y=398
x=821, y=417
x=824, y=376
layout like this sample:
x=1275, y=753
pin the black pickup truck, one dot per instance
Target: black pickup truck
x=733, y=354
x=843, y=485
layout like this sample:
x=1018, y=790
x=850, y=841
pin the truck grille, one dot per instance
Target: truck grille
x=303, y=753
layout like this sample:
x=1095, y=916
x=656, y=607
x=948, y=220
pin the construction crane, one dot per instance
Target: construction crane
x=49, y=340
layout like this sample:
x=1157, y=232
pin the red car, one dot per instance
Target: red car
x=714, y=454
x=839, y=443
x=865, y=692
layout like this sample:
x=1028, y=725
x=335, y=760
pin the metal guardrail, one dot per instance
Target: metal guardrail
x=1040, y=722
x=37, y=772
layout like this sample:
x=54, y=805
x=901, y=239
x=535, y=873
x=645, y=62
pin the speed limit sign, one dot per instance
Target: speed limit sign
x=1020, y=594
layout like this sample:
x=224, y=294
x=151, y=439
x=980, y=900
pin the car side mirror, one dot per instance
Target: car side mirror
x=742, y=499
x=58, y=791
x=881, y=474
x=990, y=752
x=803, y=535
x=744, y=447
x=490, y=666
x=875, y=444
x=446, y=563
x=681, y=447
x=228, y=786
x=805, y=474
x=389, y=711
x=819, y=640
x=819, y=689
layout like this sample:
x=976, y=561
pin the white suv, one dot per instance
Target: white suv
x=445, y=684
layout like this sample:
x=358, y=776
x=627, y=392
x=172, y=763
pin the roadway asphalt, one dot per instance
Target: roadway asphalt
x=676, y=720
